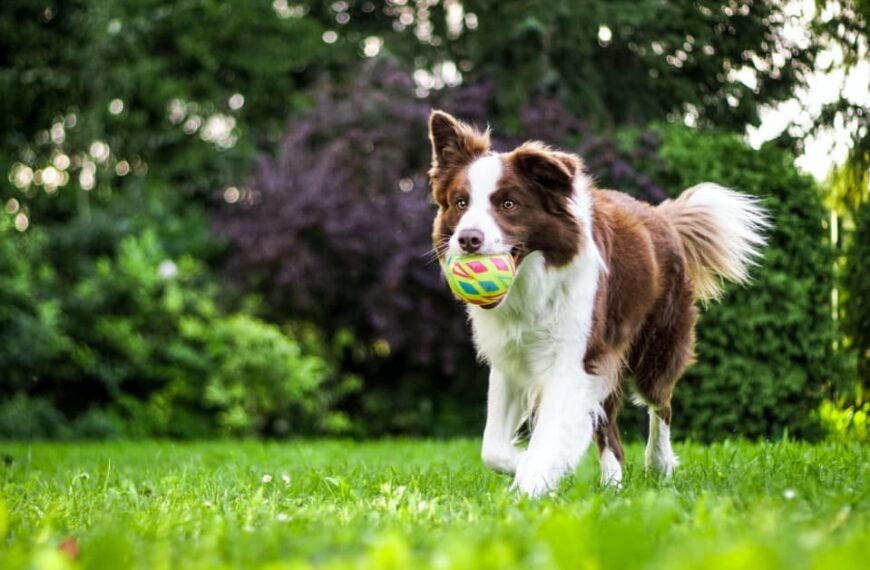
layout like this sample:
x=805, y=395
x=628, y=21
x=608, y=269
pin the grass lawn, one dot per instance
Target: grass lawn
x=418, y=504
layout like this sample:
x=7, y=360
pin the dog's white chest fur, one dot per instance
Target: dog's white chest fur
x=547, y=315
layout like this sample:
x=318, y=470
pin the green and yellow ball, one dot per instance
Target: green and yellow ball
x=482, y=280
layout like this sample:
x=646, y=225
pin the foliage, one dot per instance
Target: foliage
x=29, y=335
x=259, y=380
x=672, y=57
x=765, y=356
x=845, y=421
x=167, y=88
x=119, y=122
x=402, y=504
x=126, y=126
x=342, y=220
x=844, y=26
x=26, y=418
x=140, y=336
x=857, y=285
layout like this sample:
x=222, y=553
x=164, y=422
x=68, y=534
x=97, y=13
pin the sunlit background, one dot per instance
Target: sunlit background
x=217, y=218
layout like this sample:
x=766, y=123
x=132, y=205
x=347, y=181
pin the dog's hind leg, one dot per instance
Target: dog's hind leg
x=659, y=455
x=663, y=350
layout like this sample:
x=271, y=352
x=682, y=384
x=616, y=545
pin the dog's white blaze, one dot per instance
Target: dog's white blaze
x=483, y=176
x=659, y=454
x=611, y=470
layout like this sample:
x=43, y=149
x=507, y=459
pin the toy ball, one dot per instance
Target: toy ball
x=482, y=280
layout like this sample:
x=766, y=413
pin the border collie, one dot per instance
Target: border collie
x=604, y=283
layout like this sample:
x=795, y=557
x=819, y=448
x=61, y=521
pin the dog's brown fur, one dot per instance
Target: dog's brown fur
x=645, y=314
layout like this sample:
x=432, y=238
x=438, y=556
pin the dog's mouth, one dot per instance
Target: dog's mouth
x=518, y=252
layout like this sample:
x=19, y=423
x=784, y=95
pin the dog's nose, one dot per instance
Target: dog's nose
x=470, y=240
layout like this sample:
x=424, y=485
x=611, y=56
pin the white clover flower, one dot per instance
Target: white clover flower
x=267, y=478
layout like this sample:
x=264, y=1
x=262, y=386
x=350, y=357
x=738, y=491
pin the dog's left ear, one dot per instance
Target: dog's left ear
x=548, y=169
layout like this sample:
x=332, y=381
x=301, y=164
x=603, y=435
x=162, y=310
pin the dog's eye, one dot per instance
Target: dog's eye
x=508, y=204
x=462, y=203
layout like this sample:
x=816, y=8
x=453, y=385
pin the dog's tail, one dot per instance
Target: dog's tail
x=722, y=232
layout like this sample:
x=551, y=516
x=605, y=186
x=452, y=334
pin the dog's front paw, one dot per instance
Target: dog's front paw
x=533, y=481
x=501, y=460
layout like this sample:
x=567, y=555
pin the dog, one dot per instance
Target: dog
x=604, y=284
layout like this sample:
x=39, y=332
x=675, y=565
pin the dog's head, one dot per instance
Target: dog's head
x=495, y=203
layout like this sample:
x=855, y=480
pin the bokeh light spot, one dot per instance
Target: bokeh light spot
x=231, y=195
x=88, y=175
x=22, y=175
x=372, y=46
x=99, y=151
x=116, y=106
x=237, y=101
x=22, y=222
x=61, y=161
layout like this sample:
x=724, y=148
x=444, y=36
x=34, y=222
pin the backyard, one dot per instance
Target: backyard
x=226, y=335
x=424, y=504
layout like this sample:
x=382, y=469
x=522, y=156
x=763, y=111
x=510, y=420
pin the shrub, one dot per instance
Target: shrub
x=30, y=418
x=30, y=336
x=765, y=356
x=140, y=336
x=197, y=371
x=845, y=421
x=258, y=381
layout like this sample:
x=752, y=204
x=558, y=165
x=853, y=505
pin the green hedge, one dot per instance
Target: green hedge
x=136, y=344
x=765, y=354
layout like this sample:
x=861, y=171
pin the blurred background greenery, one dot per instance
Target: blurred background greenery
x=216, y=220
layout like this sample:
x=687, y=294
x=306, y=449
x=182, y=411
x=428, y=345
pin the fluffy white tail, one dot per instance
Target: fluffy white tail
x=722, y=233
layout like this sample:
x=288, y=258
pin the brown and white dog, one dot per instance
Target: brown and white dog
x=604, y=283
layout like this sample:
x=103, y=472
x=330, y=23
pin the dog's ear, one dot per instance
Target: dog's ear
x=454, y=143
x=547, y=169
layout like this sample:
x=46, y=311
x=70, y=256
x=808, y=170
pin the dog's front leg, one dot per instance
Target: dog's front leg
x=503, y=413
x=562, y=432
